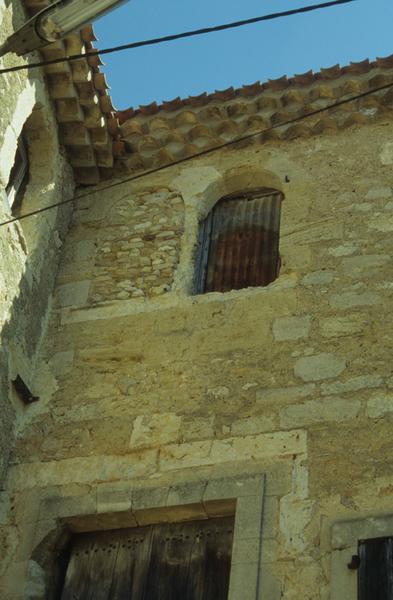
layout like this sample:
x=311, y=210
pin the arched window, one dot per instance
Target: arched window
x=238, y=242
x=19, y=175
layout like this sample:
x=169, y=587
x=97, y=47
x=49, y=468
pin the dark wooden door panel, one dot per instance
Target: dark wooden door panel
x=177, y=561
x=132, y=564
x=376, y=569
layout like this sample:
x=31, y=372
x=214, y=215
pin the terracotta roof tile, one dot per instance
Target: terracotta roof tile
x=201, y=122
x=102, y=142
x=83, y=108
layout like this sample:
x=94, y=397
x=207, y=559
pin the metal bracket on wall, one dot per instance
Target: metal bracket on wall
x=23, y=391
x=355, y=563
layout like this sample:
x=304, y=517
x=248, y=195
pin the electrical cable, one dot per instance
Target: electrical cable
x=177, y=36
x=202, y=153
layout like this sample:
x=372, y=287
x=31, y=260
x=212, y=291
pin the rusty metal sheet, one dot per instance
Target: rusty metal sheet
x=239, y=242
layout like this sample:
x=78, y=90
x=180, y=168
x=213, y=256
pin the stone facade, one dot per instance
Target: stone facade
x=157, y=404
x=29, y=249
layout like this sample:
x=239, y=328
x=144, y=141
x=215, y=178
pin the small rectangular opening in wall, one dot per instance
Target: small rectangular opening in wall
x=189, y=560
x=23, y=391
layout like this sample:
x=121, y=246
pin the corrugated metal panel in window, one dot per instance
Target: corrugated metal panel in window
x=239, y=242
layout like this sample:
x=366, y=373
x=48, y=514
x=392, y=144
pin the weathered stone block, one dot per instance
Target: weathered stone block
x=254, y=425
x=320, y=366
x=319, y=278
x=353, y=299
x=386, y=154
x=113, y=500
x=191, y=493
x=354, y=265
x=155, y=430
x=319, y=411
x=381, y=223
x=73, y=294
x=378, y=193
x=344, y=326
x=248, y=519
x=291, y=328
x=286, y=394
x=352, y=385
x=380, y=404
x=344, y=249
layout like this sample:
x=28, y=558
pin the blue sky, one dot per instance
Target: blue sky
x=359, y=30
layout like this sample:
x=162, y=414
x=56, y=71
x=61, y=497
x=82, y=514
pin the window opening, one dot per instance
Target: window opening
x=19, y=176
x=171, y=561
x=238, y=243
x=375, y=575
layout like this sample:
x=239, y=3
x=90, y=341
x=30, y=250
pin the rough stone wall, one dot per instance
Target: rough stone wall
x=29, y=249
x=159, y=387
x=133, y=254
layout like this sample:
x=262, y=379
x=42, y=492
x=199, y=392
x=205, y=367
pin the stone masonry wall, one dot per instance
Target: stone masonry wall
x=145, y=386
x=29, y=250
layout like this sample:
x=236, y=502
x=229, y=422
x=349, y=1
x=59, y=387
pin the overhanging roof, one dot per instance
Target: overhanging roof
x=158, y=134
x=88, y=126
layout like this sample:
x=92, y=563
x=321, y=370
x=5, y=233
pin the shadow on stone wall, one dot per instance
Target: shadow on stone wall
x=30, y=252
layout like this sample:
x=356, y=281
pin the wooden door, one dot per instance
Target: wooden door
x=176, y=561
x=376, y=569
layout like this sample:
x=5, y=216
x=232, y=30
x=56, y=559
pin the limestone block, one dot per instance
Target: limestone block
x=197, y=428
x=145, y=498
x=61, y=362
x=5, y=507
x=113, y=500
x=82, y=470
x=380, y=404
x=315, y=232
x=343, y=250
x=319, y=411
x=155, y=430
x=36, y=582
x=353, y=299
x=352, y=385
x=267, y=445
x=354, y=265
x=245, y=550
x=343, y=326
x=233, y=487
x=248, y=519
x=386, y=154
x=191, y=493
x=58, y=507
x=270, y=587
x=378, y=193
x=295, y=516
x=253, y=425
x=73, y=294
x=381, y=223
x=286, y=394
x=363, y=207
x=319, y=278
x=243, y=581
x=320, y=366
x=291, y=328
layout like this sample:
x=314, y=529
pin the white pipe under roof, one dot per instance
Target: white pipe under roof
x=55, y=22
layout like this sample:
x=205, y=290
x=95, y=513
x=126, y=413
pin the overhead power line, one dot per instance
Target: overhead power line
x=178, y=36
x=202, y=153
